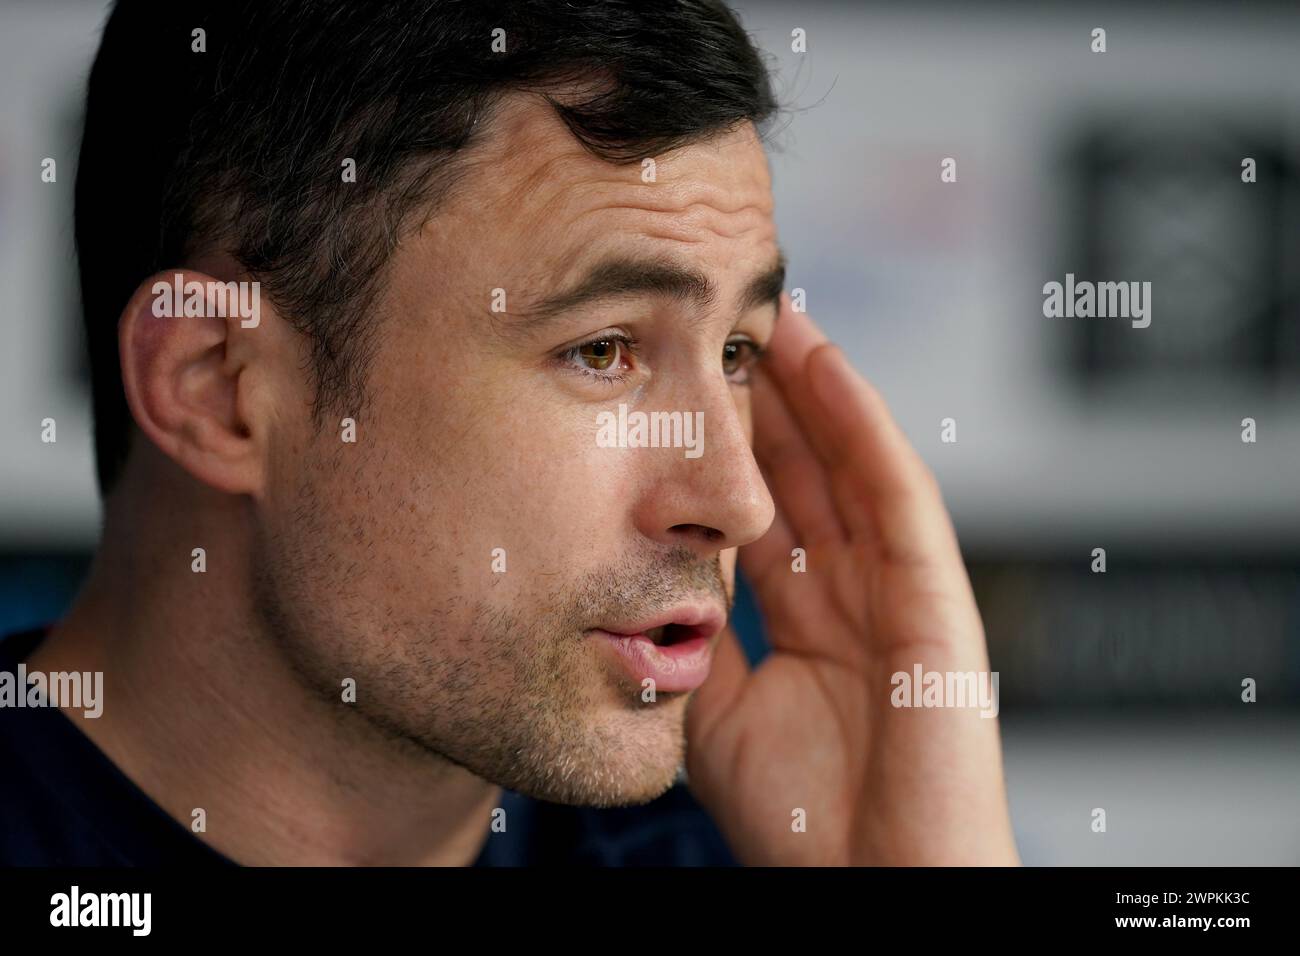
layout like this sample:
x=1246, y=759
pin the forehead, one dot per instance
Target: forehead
x=535, y=202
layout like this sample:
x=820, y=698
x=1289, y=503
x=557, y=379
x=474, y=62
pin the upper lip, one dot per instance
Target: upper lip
x=699, y=620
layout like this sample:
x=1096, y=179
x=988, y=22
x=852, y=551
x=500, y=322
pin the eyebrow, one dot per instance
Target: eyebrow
x=666, y=278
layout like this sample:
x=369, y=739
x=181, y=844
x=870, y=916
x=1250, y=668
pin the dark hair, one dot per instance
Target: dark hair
x=240, y=148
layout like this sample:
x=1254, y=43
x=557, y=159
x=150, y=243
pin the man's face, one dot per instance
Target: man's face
x=379, y=560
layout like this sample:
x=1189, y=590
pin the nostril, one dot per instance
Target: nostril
x=699, y=530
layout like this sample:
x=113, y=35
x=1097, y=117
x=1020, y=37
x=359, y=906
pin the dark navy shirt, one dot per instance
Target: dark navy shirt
x=63, y=802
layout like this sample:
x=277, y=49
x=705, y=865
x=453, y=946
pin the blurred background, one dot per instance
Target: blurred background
x=1120, y=690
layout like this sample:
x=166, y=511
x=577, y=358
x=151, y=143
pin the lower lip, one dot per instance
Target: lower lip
x=674, y=668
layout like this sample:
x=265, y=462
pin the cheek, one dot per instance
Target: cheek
x=483, y=455
x=570, y=504
x=529, y=492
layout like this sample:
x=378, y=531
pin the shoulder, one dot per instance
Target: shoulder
x=63, y=802
x=37, y=828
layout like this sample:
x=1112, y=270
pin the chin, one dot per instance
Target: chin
x=637, y=788
x=626, y=765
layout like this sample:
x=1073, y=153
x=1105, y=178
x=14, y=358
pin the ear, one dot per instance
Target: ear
x=189, y=347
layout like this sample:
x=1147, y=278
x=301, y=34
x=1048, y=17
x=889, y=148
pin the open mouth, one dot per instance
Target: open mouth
x=669, y=634
x=671, y=651
x=681, y=626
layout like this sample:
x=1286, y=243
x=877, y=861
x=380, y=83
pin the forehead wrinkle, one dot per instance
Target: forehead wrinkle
x=553, y=181
x=685, y=221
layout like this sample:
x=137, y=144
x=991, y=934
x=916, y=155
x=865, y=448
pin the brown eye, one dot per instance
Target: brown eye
x=736, y=356
x=599, y=355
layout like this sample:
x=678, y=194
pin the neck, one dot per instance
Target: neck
x=201, y=711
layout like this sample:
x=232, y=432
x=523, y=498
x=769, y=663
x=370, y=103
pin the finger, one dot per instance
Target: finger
x=794, y=337
x=850, y=502
x=881, y=487
x=875, y=470
x=795, y=474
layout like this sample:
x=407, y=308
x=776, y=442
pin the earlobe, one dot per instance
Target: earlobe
x=182, y=374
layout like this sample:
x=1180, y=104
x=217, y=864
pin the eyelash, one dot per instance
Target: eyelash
x=756, y=355
x=628, y=348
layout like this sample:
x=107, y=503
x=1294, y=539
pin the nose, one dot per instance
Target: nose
x=712, y=502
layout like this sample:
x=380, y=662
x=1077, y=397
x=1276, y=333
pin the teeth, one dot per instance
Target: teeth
x=656, y=635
